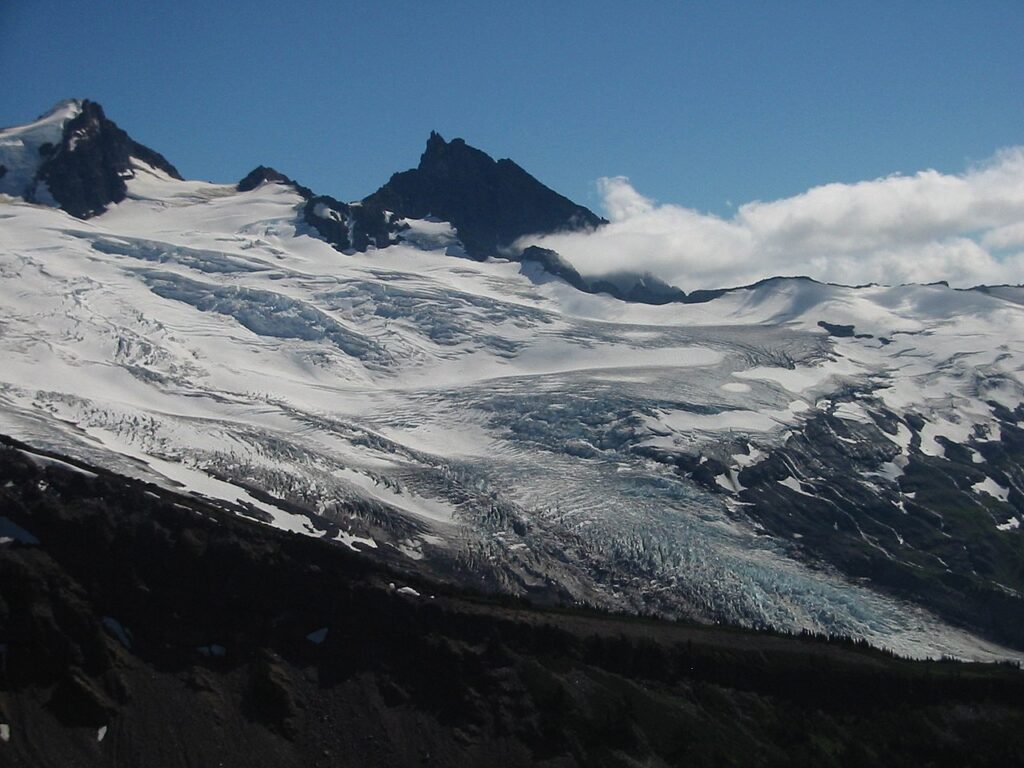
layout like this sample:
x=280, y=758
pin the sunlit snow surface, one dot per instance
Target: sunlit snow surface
x=414, y=400
x=22, y=147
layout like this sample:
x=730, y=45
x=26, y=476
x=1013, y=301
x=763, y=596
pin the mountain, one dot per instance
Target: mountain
x=75, y=157
x=491, y=204
x=487, y=204
x=787, y=455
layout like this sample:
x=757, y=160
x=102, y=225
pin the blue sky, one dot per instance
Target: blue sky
x=697, y=103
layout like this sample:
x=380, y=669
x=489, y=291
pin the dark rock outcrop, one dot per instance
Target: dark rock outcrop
x=553, y=263
x=640, y=288
x=490, y=203
x=643, y=288
x=836, y=329
x=350, y=226
x=263, y=174
x=86, y=172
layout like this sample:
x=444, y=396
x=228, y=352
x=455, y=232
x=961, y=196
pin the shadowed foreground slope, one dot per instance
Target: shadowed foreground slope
x=197, y=638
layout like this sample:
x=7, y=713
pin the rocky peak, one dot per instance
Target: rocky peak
x=454, y=159
x=490, y=203
x=86, y=170
x=435, y=144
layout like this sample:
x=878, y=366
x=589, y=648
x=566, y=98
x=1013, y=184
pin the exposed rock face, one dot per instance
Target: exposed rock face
x=86, y=172
x=491, y=203
x=350, y=226
x=554, y=264
x=642, y=288
x=262, y=174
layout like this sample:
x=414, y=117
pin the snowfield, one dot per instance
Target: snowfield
x=461, y=411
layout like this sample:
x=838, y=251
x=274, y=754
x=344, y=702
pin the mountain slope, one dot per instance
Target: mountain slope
x=789, y=455
x=146, y=627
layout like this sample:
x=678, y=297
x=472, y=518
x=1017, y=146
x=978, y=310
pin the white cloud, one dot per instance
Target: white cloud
x=621, y=201
x=921, y=228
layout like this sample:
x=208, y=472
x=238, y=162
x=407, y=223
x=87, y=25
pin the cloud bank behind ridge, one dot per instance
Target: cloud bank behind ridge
x=965, y=228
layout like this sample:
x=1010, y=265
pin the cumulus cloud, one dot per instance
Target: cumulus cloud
x=964, y=228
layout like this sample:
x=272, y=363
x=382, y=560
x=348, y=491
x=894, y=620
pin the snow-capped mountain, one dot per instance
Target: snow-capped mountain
x=788, y=454
x=74, y=157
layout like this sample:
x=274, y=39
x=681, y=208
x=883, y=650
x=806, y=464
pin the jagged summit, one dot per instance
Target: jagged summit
x=74, y=157
x=490, y=203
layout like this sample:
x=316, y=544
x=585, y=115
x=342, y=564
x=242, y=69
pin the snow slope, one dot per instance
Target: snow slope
x=458, y=411
x=21, y=149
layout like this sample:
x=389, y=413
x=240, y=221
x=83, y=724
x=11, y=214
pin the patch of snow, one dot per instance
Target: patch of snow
x=992, y=488
x=730, y=482
x=114, y=627
x=753, y=456
x=437, y=510
x=20, y=145
x=733, y=420
x=324, y=211
x=902, y=438
x=795, y=485
x=11, y=532
x=800, y=379
x=317, y=637
x=852, y=412
x=350, y=540
x=956, y=431
x=430, y=234
x=46, y=461
x=203, y=484
x=893, y=470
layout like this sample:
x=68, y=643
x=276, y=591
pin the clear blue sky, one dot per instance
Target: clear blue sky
x=697, y=102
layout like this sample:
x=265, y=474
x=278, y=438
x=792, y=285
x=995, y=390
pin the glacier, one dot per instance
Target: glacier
x=511, y=432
